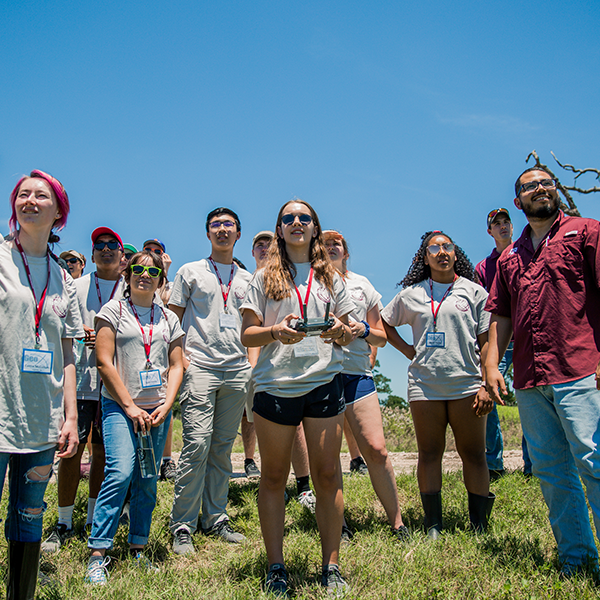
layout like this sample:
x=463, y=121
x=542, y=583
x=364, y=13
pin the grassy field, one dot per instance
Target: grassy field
x=515, y=560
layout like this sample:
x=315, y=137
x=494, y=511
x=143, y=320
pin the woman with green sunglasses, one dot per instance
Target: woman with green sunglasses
x=137, y=342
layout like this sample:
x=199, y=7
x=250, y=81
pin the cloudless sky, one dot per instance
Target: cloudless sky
x=390, y=118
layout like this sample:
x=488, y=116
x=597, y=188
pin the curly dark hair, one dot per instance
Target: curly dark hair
x=419, y=271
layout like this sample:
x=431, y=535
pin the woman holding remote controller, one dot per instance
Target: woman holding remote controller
x=445, y=308
x=137, y=342
x=39, y=317
x=297, y=380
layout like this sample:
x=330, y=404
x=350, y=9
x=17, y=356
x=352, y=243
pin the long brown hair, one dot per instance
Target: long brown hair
x=280, y=270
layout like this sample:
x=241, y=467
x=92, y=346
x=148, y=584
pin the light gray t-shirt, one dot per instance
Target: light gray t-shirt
x=279, y=370
x=130, y=355
x=210, y=341
x=88, y=382
x=31, y=404
x=452, y=372
x=365, y=297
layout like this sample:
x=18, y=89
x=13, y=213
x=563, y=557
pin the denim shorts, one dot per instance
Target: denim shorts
x=87, y=411
x=357, y=387
x=321, y=403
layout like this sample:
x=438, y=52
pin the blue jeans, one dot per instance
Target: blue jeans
x=494, y=444
x=560, y=423
x=122, y=469
x=26, y=488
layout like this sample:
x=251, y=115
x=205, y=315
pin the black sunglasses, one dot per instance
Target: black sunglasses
x=289, y=219
x=72, y=260
x=113, y=245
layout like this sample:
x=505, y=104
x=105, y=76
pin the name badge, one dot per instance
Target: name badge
x=435, y=339
x=37, y=361
x=307, y=347
x=150, y=379
x=227, y=321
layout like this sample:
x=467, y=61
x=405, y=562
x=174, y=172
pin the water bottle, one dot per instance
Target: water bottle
x=145, y=452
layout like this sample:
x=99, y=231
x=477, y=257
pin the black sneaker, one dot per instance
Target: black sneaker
x=168, y=470
x=276, y=581
x=252, y=471
x=402, y=534
x=332, y=580
x=182, y=542
x=223, y=530
x=496, y=474
x=359, y=466
x=347, y=535
x=60, y=534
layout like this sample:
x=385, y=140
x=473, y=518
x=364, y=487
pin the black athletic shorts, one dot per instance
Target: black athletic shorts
x=87, y=411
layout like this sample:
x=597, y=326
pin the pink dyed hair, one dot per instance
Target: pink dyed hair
x=62, y=200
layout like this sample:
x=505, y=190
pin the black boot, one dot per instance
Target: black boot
x=480, y=508
x=432, y=505
x=23, y=564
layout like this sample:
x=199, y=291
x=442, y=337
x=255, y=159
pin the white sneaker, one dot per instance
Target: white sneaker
x=308, y=500
x=97, y=573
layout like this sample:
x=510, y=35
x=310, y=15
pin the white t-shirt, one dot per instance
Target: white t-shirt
x=365, y=297
x=452, y=372
x=88, y=382
x=130, y=355
x=279, y=371
x=31, y=404
x=210, y=341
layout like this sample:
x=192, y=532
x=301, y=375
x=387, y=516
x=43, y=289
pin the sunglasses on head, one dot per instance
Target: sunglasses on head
x=112, y=245
x=152, y=271
x=155, y=250
x=72, y=260
x=289, y=219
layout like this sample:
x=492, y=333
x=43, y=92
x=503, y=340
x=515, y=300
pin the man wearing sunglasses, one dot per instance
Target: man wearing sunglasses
x=546, y=290
x=206, y=296
x=93, y=291
x=75, y=261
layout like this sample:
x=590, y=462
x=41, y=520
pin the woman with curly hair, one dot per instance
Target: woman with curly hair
x=445, y=308
x=297, y=380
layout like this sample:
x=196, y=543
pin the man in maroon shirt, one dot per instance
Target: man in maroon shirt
x=546, y=291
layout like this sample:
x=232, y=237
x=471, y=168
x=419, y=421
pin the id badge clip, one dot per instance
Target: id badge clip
x=37, y=361
x=435, y=339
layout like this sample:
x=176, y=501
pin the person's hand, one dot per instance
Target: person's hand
x=166, y=262
x=357, y=328
x=90, y=337
x=159, y=415
x=482, y=404
x=337, y=333
x=285, y=333
x=495, y=382
x=68, y=440
x=141, y=419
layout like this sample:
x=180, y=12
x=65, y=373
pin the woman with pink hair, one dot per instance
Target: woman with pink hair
x=39, y=317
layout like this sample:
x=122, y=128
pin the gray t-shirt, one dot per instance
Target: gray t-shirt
x=451, y=372
x=211, y=341
x=365, y=297
x=31, y=404
x=130, y=355
x=279, y=370
x=88, y=382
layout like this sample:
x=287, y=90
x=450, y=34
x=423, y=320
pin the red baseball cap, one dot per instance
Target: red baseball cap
x=106, y=231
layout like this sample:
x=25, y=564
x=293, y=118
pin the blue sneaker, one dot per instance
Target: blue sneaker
x=276, y=582
x=97, y=573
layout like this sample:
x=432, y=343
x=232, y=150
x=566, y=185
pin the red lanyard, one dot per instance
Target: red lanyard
x=39, y=306
x=436, y=311
x=147, y=344
x=98, y=288
x=302, y=305
x=224, y=291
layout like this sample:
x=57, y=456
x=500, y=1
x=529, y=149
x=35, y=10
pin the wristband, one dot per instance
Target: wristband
x=367, y=330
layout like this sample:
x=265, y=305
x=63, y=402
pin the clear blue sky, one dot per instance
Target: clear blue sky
x=391, y=118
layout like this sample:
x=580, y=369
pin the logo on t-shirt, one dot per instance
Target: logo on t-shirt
x=323, y=294
x=462, y=304
x=357, y=295
x=59, y=306
x=239, y=292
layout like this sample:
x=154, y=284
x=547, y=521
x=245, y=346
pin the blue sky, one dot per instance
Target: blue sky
x=391, y=118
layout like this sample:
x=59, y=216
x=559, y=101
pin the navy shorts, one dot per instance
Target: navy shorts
x=321, y=403
x=357, y=387
x=87, y=411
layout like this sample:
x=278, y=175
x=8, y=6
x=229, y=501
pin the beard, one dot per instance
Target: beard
x=543, y=211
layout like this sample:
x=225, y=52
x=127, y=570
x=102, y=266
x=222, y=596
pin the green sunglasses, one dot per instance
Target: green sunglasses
x=152, y=271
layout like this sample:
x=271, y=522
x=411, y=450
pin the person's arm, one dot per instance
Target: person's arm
x=253, y=354
x=178, y=310
x=373, y=356
x=173, y=382
x=377, y=336
x=105, y=352
x=500, y=334
x=253, y=333
x=396, y=340
x=483, y=404
x=68, y=440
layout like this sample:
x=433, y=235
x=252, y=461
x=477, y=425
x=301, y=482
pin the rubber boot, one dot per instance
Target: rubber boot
x=23, y=565
x=480, y=509
x=432, y=505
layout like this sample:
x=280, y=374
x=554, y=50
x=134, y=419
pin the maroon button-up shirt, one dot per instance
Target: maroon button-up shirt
x=552, y=296
x=486, y=269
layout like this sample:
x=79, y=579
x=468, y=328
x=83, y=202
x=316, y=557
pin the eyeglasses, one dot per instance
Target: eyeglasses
x=152, y=271
x=113, y=245
x=434, y=249
x=155, y=250
x=531, y=186
x=216, y=225
x=128, y=255
x=289, y=219
x=72, y=260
